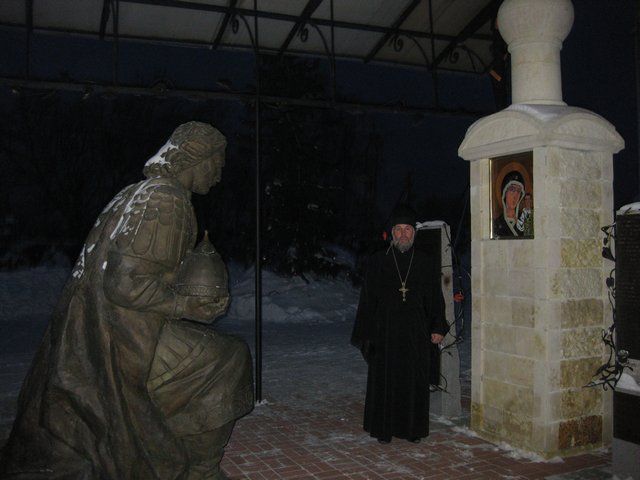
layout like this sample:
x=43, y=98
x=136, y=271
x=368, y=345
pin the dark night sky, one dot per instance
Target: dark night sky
x=599, y=74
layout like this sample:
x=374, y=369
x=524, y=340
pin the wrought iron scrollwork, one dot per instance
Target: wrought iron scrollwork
x=304, y=34
x=474, y=58
x=608, y=374
x=397, y=43
x=235, y=27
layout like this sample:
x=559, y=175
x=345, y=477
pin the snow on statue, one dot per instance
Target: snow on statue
x=122, y=385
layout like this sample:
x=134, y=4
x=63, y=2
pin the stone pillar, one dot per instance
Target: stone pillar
x=446, y=403
x=539, y=304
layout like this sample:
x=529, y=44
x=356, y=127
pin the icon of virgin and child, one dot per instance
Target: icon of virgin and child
x=512, y=202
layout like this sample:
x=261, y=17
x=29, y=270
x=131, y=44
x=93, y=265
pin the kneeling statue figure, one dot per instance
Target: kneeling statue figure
x=128, y=383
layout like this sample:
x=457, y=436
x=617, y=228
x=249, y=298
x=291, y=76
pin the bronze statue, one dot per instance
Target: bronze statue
x=123, y=386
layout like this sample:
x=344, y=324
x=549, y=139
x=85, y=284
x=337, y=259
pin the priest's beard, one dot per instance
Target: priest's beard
x=402, y=245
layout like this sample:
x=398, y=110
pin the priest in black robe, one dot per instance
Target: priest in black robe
x=400, y=320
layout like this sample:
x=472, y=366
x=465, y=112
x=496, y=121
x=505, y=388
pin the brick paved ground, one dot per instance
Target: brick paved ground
x=311, y=427
x=279, y=442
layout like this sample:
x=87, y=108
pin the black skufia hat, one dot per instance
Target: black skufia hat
x=404, y=214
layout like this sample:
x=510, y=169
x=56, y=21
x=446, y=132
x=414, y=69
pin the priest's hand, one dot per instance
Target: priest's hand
x=436, y=338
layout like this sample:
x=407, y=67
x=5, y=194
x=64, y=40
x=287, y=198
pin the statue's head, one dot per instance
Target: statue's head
x=193, y=146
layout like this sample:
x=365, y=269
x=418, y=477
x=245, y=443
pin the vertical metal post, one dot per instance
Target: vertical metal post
x=116, y=40
x=29, y=22
x=638, y=77
x=333, y=57
x=258, y=272
x=434, y=67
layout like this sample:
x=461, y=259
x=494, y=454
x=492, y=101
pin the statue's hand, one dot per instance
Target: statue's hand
x=204, y=309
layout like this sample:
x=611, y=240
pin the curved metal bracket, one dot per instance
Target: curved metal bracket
x=398, y=46
x=235, y=27
x=454, y=57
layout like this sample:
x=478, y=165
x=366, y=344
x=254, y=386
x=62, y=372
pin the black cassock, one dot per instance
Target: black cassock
x=395, y=339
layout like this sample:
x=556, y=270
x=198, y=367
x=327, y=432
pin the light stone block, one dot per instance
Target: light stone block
x=579, y=223
x=549, y=252
x=581, y=313
x=521, y=283
x=519, y=429
x=545, y=224
x=530, y=342
x=578, y=373
x=580, y=402
x=575, y=402
x=519, y=370
x=554, y=345
x=496, y=281
x=576, y=283
x=521, y=254
x=508, y=397
x=509, y=368
x=498, y=310
x=582, y=342
x=523, y=312
x=525, y=342
x=554, y=189
x=581, y=253
x=501, y=338
x=495, y=254
x=545, y=437
x=606, y=162
x=606, y=200
x=578, y=193
x=476, y=225
x=492, y=421
x=543, y=283
x=474, y=173
x=566, y=163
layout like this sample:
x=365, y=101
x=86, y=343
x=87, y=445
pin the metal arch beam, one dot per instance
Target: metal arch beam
x=225, y=22
x=28, y=20
x=206, y=7
x=354, y=108
x=394, y=29
x=28, y=15
x=104, y=18
x=488, y=12
x=308, y=10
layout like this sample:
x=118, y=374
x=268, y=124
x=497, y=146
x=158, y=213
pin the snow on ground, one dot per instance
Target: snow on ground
x=292, y=300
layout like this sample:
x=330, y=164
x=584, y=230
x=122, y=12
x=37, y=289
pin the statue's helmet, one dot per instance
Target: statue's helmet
x=202, y=273
x=189, y=144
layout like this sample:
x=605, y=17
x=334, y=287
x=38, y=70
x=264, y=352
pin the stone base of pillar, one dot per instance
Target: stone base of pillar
x=448, y=403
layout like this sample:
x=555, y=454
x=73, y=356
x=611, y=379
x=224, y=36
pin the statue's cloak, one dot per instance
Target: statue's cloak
x=107, y=395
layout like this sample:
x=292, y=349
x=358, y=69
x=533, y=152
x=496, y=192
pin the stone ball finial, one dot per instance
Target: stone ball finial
x=534, y=31
x=535, y=20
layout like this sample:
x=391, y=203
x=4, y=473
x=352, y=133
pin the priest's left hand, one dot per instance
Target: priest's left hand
x=436, y=338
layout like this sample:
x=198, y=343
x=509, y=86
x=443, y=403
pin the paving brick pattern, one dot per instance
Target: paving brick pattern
x=325, y=441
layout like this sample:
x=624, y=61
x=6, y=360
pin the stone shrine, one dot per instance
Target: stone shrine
x=539, y=302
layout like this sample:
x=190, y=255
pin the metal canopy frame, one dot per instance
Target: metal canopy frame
x=236, y=16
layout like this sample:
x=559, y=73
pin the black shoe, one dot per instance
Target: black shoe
x=415, y=440
x=384, y=441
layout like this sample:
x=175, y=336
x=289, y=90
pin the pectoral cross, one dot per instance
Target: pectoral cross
x=404, y=291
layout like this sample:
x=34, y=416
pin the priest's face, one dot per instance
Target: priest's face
x=403, y=235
